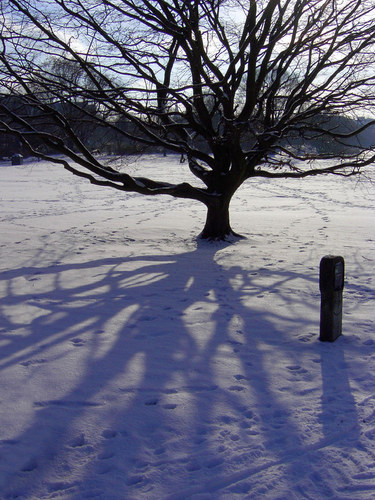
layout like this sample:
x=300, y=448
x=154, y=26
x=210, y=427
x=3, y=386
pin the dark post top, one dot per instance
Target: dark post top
x=332, y=270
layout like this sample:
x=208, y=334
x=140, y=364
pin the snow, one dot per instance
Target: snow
x=139, y=364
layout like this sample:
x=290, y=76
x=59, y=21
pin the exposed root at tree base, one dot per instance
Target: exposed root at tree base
x=231, y=237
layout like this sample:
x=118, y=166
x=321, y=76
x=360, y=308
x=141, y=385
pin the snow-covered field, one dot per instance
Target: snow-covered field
x=137, y=364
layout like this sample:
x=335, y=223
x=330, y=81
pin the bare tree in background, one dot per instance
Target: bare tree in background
x=241, y=88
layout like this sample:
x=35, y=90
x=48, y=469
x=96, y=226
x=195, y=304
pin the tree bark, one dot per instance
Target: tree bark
x=217, y=226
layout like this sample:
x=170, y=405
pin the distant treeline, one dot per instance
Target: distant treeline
x=116, y=138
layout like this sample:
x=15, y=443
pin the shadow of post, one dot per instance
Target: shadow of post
x=339, y=416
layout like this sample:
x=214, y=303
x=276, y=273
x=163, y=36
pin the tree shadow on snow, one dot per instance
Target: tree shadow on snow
x=178, y=363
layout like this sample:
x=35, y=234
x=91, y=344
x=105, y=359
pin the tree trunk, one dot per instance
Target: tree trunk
x=217, y=227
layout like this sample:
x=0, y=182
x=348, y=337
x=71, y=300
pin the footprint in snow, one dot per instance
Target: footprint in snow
x=105, y=455
x=193, y=466
x=236, y=388
x=65, y=404
x=103, y=468
x=160, y=451
x=152, y=402
x=215, y=462
x=78, y=441
x=77, y=342
x=109, y=434
x=9, y=441
x=368, y=342
x=133, y=480
x=248, y=414
x=296, y=368
x=305, y=338
x=30, y=465
x=169, y=406
x=370, y=434
x=33, y=362
x=228, y=419
x=201, y=388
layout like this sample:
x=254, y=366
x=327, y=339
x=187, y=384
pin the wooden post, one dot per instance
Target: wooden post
x=331, y=284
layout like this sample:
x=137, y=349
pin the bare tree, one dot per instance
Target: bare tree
x=242, y=89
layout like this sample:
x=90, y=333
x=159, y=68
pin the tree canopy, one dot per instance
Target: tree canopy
x=241, y=88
